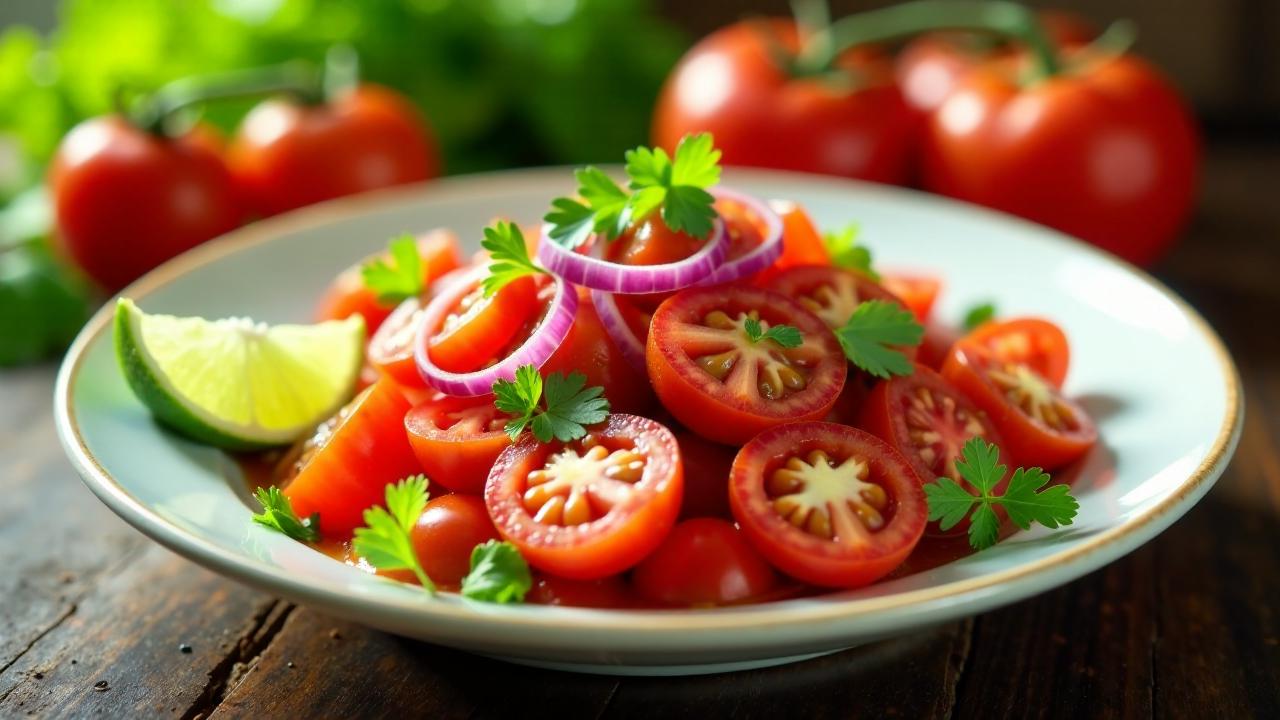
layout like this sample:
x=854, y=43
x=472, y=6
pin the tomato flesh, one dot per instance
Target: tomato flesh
x=801, y=242
x=916, y=292
x=704, y=561
x=348, y=295
x=478, y=328
x=390, y=349
x=828, y=504
x=457, y=440
x=447, y=531
x=592, y=507
x=1035, y=342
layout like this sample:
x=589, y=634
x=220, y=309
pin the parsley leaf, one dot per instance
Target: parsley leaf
x=784, y=335
x=508, y=256
x=384, y=541
x=868, y=336
x=558, y=408
x=397, y=277
x=277, y=514
x=979, y=314
x=1023, y=500
x=842, y=245
x=499, y=574
x=606, y=210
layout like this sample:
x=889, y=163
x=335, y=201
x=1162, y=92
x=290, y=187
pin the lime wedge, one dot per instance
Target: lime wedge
x=235, y=383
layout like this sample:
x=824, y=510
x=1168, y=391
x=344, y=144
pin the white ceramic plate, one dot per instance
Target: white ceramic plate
x=1156, y=378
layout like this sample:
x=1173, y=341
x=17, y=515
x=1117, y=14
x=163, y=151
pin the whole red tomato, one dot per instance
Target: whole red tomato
x=286, y=154
x=849, y=121
x=126, y=199
x=1107, y=152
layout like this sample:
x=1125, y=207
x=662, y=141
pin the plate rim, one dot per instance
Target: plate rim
x=1017, y=581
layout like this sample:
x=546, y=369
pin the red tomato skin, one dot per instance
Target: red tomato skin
x=729, y=84
x=938, y=339
x=347, y=294
x=801, y=241
x=390, y=350
x=588, y=349
x=612, y=543
x=126, y=200
x=917, y=292
x=703, y=561
x=803, y=556
x=350, y=472
x=447, y=531
x=610, y=593
x=1109, y=154
x=1027, y=442
x=457, y=458
x=706, y=476
x=286, y=155
x=1036, y=342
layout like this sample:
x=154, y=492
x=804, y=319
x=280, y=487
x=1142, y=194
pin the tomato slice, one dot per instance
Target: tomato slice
x=349, y=464
x=1029, y=341
x=827, y=504
x=593, y=507
x=390, y=349
x=348, y=295
x=918, y=292
x=704, y=561
x=588, y=349
x=926, y=420
x=447, y=531
x=457, y=439
x=801, y=242
x=476, y=331
x=1040, y=426
x=717, y=382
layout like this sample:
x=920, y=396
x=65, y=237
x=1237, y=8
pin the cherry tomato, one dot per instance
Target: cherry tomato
x=286, y=155
x=938, y=339
x=706, y=476
x=479, y=328
x=126, y=200
x=588, y=349
x=801, y=242
x=651, y=242
x=592, y=507
x=351, y=463
x=926, y=420
x=457, y=439
x=703, y=561
x=722, y=385
x=348, y=295
x=609, y=593
x=831, y=293
x=827, y=504
x=447, y=531
x=1029, y=341
x=1107, y=152
x=917, y=292
x=852, y=123
x=1039, y=425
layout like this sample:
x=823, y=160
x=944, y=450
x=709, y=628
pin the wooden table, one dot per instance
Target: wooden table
x=97, y=620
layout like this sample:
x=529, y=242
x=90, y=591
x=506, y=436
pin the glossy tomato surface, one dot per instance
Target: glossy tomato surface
x=450, y=527
x=704, y=561
x=827, y=504
x=348, y=295
x=126, y=200
x=917, y=292
x=348, y=469
x=477, y=329
x=706, y=476
x=611, y=593
x=287, y=154
x=1040, y=425
x=390, y=350
x=457, y=439
x=588, y=349
x=593, y=507
x=852, y=122
x=801, y=240
x=1035, y=342
x=719, y=383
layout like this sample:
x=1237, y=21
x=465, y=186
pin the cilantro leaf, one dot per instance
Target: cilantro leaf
x=277, y=514
x=558, y=408
x=499, y=574
x=679, y=184
x=842, y=245
x=398, y=276
x=384, y=541
x=508, y=256
x=979, y=314
x=870, y=334
x=784, y=335
x=1024, y=500
x=571, y=222
x=608, y=202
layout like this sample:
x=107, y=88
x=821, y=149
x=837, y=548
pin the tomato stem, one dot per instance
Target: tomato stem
x=294, y=78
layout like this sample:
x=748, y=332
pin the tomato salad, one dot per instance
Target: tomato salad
x=671, y=394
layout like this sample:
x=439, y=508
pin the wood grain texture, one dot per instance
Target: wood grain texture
x=1187, y=626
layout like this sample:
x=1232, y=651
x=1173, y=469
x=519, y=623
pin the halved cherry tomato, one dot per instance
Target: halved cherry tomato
x=457, y=439
x=609, y=593
x=592, y=507
x=1039, y=425
x=722, y=385
x=926, y=420
x=348, y=470
x=801, y=242
x=588, y=349
x=703, y=561
x=917, y=292
x=706, y=476
x=828, y=504
x=478, y=328
x=447, y=531
x=1027, y=341
x=833, y=293
x=347, y=294
x=390, y=349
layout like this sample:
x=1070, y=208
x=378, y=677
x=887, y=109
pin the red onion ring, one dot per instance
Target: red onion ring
x=631, y=347
x=761, y=256
x=543, y=341
x=599, y=274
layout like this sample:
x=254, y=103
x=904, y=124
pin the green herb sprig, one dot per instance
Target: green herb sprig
x=871, y=334
x=385, y=541
x=558, y=408
x=277, y=514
